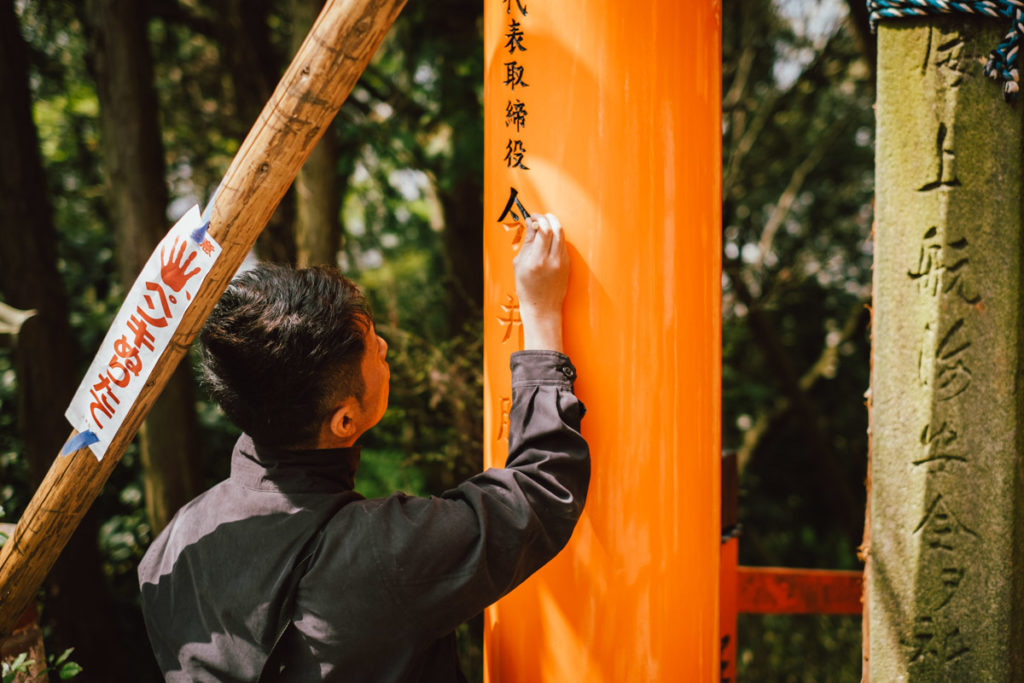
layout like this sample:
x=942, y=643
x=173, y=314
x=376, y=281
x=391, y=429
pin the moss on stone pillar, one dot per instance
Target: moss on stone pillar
x=944, y=575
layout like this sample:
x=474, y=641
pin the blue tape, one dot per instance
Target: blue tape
x=208, y=211
x=79, y=441
x=199, y=234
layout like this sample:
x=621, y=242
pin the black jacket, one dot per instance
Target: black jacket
x=284, y=556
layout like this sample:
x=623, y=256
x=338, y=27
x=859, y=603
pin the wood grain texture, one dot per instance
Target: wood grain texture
x=320, y=77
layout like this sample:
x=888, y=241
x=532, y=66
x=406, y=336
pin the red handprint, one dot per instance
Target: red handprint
x=173, y=271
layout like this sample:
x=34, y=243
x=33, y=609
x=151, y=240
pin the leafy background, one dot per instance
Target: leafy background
x=405, y=165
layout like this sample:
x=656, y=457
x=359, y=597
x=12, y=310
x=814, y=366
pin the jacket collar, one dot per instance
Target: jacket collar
x=265, y=468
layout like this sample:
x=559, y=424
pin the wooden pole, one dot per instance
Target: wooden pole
x=321, y=75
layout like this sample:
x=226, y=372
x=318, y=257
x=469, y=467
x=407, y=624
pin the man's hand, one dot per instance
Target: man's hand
x=542, y=277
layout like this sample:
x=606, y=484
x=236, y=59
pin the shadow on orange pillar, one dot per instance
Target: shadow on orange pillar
x=607, y=113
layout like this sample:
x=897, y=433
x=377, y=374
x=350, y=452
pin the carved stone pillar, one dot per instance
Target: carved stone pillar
x=944, y=573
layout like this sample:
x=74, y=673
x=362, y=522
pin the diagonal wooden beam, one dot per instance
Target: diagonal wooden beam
x=320, y=77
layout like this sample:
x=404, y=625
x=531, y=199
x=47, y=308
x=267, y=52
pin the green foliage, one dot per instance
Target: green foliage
x=797, y=192
x=21, y=665
x=61, y=666
x=797, y=187
x=202, y=128
x=399, y=153
x=799, y=648
x=436, y=403
x=383, y=472
x=13, y=469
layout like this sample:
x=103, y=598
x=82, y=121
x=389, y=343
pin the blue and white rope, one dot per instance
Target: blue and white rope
x=1002, y=62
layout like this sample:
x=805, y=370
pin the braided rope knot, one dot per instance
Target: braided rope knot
x=1002, y=61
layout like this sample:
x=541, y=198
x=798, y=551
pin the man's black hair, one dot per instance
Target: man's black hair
x=282, y=348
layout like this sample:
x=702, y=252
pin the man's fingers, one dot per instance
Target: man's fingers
x=544, y=242
x=544, y=234
x=557, y=240
x=531, y=230
x=556, y=225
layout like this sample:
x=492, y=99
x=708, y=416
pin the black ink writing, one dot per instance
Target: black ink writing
x=520, y=5
x=514, y=152
x=513, y=201
x=514, y=75
x=514, y=37
x=515, y=114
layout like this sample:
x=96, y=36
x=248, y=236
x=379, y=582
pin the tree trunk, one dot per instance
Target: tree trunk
x=319, y=79
x=254, y=68
x=44, y=356
x=45, y=351
x=462, y=199
x=463, y=246
x=134, y=165
x=318, y=188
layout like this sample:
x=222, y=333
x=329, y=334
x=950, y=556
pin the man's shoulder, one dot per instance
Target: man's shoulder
x=191, y=522
x=216, y=503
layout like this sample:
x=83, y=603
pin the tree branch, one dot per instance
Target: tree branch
x=843, y=502
x=765, y=110
x=824, y=366
x=796, y=181
x=738, y=87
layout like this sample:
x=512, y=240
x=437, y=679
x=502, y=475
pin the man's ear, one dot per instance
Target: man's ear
x=344, y=424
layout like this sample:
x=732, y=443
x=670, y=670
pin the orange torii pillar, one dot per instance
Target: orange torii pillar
x=608, y=114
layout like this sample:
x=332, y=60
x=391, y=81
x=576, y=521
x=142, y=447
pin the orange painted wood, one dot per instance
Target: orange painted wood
x=321, y=75
x=621, y=139
x=780, y=590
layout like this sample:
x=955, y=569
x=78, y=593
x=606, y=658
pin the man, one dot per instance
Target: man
x=283, y=571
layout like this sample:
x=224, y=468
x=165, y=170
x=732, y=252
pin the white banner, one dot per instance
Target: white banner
x=141, y=331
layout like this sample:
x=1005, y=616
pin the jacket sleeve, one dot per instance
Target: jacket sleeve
x=446, y=558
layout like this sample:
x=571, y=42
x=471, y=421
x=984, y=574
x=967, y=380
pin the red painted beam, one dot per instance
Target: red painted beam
x=781, y=590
